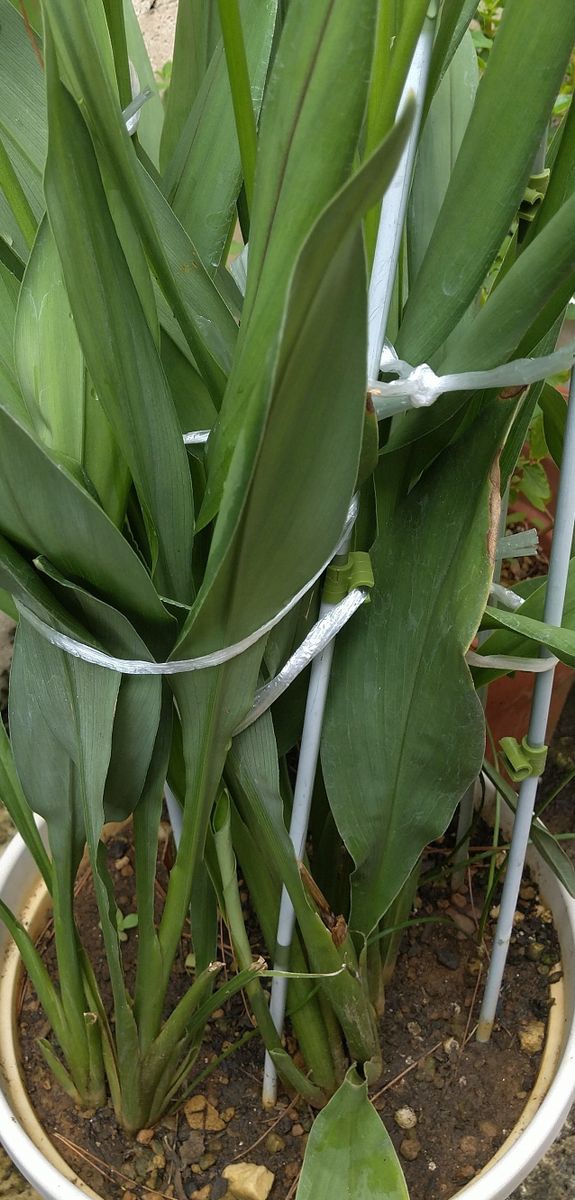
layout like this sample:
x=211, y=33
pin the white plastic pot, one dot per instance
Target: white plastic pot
x=37, y=1159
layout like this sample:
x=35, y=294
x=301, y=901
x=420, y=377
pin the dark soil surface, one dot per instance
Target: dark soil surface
x=431, y=1062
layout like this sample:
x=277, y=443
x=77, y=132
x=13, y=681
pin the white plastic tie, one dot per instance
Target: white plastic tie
x=420, y=386
x=506, y=662
x=321, y=634
x=505, y=596
x=128, y=666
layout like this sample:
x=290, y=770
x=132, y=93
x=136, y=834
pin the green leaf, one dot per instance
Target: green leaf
x=61, y=404
x=23, y=128
x=322, y=353
x=117, y=343
x=197, y=34
x=349, y=1151
x=544, y=841
x=532, y=482
x=384, y=734
x=85, y=59
x=438, y=148
x=151, y=119
x=15, y=801
x=520, y=644
x=203, y=186
x=491, y=171
x=560, y=641
x=554, y=409
x=71, y=529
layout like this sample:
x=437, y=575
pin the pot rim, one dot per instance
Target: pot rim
x=525, y=1145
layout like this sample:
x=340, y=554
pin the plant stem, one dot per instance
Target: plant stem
x=238, y=73
x=16, y=197
x=242, y=950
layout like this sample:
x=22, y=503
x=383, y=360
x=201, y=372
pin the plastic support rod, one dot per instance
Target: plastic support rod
x=305, y=779
x=394, y=206
x=553, y=613
x=380, y=293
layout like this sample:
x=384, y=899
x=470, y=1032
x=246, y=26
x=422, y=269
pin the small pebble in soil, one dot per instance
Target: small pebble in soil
x=274, y=1143
x=469, y=1146
x=219, y=1189
x=448, y=958
x=488, y=1129
x=192, y=1148
x=532, y=1036
x=248, y=1181
x=405, y=1117
x=410, y=1148
x=297, y=1130
x=464, y=923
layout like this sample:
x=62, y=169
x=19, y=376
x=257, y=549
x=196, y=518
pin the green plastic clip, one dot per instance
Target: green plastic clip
x=341, y=578
x=521, y=759
x=534, y=195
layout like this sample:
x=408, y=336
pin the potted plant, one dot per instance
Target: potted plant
x=161, y=583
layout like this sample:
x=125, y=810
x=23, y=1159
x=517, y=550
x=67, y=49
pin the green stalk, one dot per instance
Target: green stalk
x=16, y=197
x=315, y=1027
x=237, y=64
x=117, y=30
x=242, y=950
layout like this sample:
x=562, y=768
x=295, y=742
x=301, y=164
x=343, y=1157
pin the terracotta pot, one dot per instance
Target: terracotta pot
x=509, y=704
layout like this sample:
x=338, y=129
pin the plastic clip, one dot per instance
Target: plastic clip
x=534, y=195
x=341, y=578
x=521, y=759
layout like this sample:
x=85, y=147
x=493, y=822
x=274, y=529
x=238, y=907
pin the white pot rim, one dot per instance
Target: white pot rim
x=499, y=1178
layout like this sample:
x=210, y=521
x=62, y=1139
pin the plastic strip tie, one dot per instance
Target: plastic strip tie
x=420, y=387
x=522, y=760
x=506, y=662
x=131, y=113
x=322, y=633
x=505, y=596
x=128, y=666
x=518, y=545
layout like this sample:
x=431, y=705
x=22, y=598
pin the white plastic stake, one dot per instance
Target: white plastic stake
x=394, y=206
x=307, y=766
x=380, y=293
x=553, y=614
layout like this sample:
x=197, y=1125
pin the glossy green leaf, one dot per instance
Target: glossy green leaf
x=560, y=641
x=491, y=171
x=62, y=405
x=386, y=739
x=322, y=353
x=554, y=409
x=71, y=529
x=22, y=118
x=543, y=840
x=197, y=34
x=151, y=120
x=118, y=346
x=15, y=802
x=349, y=1151
x=85, y=60
x=438, y=148
x=203, y=186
